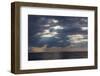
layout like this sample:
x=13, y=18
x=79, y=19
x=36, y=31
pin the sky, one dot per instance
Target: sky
x=57, y=31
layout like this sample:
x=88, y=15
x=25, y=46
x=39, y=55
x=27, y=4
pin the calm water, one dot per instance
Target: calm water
x=57, y=55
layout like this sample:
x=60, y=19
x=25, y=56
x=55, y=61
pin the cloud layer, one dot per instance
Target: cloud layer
x=57, y=31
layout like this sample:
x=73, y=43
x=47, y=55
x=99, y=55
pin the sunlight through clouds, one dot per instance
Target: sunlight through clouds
x=52, y=21
x=50, y=34
x=46, y=31
x=78, y=38
x=58, y=31
x=57, y=27
x=47, y=25
x=55, y=21
x=84, y=28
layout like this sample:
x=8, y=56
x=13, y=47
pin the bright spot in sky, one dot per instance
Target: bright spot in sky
x=46, y=31
x=55, y=21
x=78, y=38
x=50, y=34
x=47, y=25
x=47, y=35
x=84, y=28
x=57, y=27
x=52, y=21
x=54, y=33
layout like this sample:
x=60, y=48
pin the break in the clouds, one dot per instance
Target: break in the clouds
x=57, y=31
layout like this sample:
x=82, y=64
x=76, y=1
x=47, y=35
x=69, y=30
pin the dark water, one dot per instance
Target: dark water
x=57, y=55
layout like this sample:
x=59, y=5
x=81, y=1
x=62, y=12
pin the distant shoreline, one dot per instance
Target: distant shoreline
x=58, y=49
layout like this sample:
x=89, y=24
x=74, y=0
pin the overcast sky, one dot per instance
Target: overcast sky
x=57, y=31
